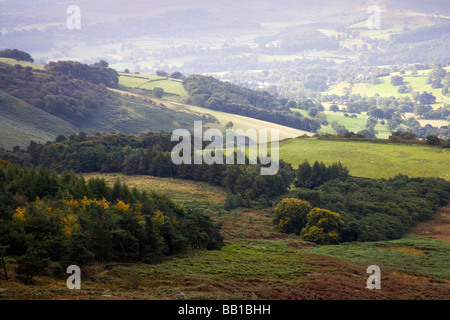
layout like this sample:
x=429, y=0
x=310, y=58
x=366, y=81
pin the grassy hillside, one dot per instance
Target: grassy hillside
x=130, y=109
x=242, y=122
x=133, y=114
x=370, y=160
x=407, y=255
x=24, y=64
x=183, y=191
x=21, y=122
x=135, y=82
x=129, y=114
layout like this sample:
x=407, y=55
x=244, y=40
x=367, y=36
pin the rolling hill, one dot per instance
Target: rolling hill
x=25, y=113
x=129, y=109
x=21, y=122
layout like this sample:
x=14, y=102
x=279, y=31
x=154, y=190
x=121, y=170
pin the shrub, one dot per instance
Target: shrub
x=323, y=226
x=290, y=215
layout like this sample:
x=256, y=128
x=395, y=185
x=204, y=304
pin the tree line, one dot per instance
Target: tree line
x=17, y=55
x=97, y=73
x=148, y=155
x=211, y=93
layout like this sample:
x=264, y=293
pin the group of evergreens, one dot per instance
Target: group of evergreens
x=52, y=220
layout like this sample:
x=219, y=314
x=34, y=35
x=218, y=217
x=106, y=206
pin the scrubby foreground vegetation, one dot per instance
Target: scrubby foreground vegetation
x=257, y=262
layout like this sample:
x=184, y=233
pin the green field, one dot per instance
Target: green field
x=351, y=124
x=434, y=123
x=169, y=86
x=371, y=160
x=132, y=81
x=138, y=81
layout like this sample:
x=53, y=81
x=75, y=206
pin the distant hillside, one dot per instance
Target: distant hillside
x=141, y=84
x=40, y=105
x=211, y=93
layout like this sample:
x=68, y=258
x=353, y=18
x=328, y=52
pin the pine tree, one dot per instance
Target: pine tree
x=303, y=175
x=77, y=252
x=230, y=202
x=79, y=188
x=318, y=171
x=32, y=264
x=99, y=229
x=240, y=184
x=125, y=194
x=116, y=191
x=154, y=246
x=239, y=200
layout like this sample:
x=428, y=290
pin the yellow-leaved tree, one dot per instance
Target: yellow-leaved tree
x=322, y=227
x=122, y=206
x=19, y=215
